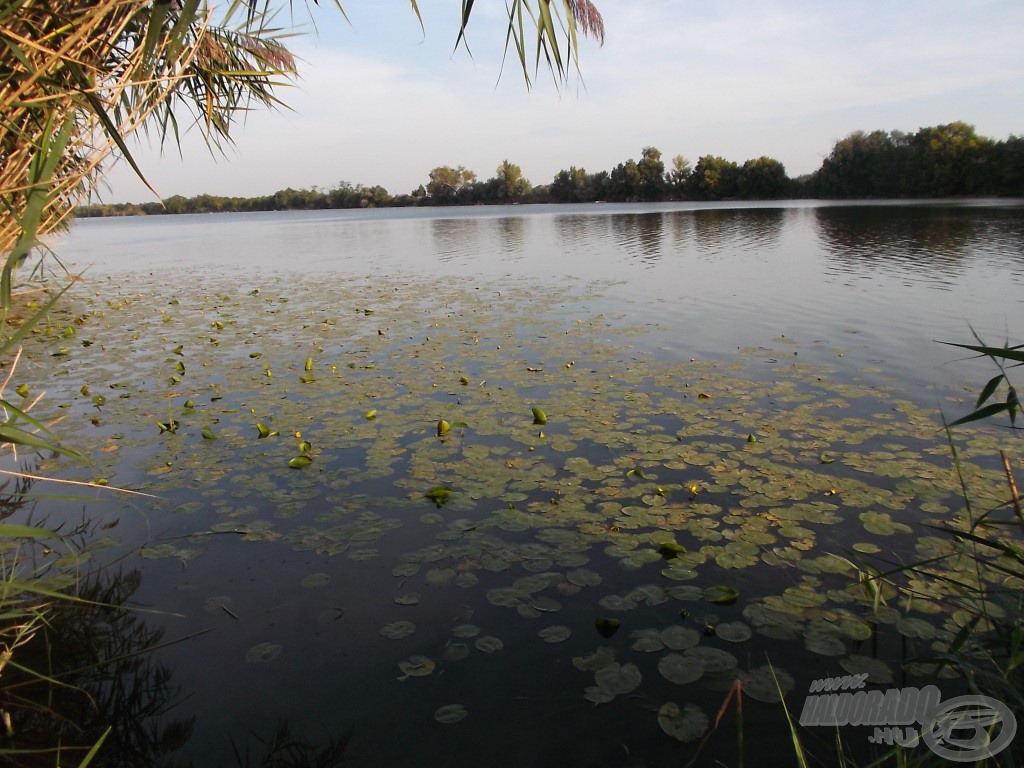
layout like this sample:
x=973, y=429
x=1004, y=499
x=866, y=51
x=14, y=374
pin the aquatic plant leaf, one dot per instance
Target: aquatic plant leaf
x=882, y=524
x=299, y=462
x=680, y=669
x=396, y=630
x=439, y=494
x=582, y=577
x=539, y=417
x=686, y=724
x=646, y=640
x=669, y=549
x=733, y=631
x=416, y=666
x=466, y=630
x=316, y=580
x=489, y=644
x=760, y=683
x=262, y=653
x=715, y=660
x=607, y=627
x=450, y=713
x=599, y=659
x=679, y=638
x=915, y=628
x=878, y=671
x=208, y=433
x=598, y=695
x=554, y=634
x=721, y=594
x=618, y=679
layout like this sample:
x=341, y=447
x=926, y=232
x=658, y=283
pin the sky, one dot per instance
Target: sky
x=380, y=101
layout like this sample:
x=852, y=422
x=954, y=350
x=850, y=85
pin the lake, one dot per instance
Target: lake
x=526, y=485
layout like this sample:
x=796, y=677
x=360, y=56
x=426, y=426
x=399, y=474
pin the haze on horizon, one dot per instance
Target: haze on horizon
x=380, y=102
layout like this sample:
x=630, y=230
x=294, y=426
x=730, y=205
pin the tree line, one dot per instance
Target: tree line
x=942, y=161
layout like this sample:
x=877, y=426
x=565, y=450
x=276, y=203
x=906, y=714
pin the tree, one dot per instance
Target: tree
x=714, y=178
x=511, y=185
x=948, y=160
x=653, y=184
x=567, y=185
x=763, y=179
x=446, y=183
x=679, y=176
x=623, y=183
x=78, y=78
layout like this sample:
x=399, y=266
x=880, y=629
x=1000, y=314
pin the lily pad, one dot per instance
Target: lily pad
x=733, y=631
x=684, y=724
x=592, y=662
x=680, y=669
x=262, y=653
x=416, y=666
x=450, y=713
x=877, y=670
x=766, y=684
x=554, y=634
x=618, y=679
x=489, y=644
x=607, y=627
x=396, y=630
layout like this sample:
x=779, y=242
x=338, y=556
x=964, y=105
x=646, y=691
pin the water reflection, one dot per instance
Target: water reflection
x=89, y=667
x=511, y=237
x=717, y=230
x=928, y=243
x=454, y=238
x=639, y=236
x=575, y=231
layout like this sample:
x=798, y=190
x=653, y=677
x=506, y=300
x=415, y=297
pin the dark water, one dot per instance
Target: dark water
x=864, y=290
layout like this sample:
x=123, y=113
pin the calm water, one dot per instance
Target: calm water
x=856, y=295
x=886, y=280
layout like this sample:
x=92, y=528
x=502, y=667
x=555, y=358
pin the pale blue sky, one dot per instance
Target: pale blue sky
x=379, y=103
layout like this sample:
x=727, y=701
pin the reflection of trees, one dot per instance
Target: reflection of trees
x=639, y=235
x=454, y=237
x=88, y=668
x=575, y=228
x=510, y=233
x=717, y=229
x=912, y=238
x=284, y=750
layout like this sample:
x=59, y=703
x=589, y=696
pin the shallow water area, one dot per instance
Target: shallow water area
x=402, y=462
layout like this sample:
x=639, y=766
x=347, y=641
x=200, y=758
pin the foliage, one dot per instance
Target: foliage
x=940, y=161
x=446, y=183
x=861, y=165
x=1000, y=356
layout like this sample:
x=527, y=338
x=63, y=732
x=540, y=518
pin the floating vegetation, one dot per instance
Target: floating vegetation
x=659, y=489
x=262, y=653
x=450, y=713
x=688, y=723
x=396, y=630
